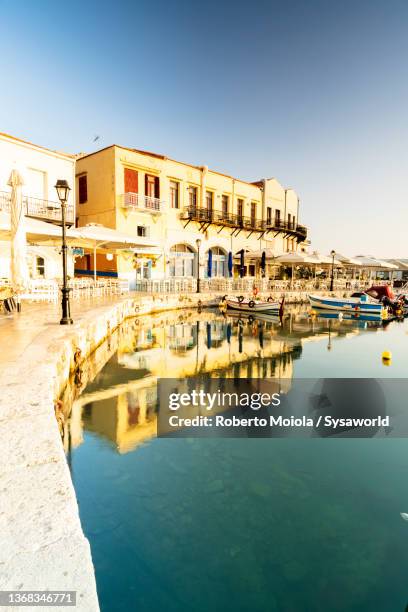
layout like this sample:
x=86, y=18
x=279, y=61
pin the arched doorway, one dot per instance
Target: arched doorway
x=181, y=261
x=218, y=263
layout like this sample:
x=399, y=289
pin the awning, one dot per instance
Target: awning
x=98, y=236
x=39, y=232
x=375, y=264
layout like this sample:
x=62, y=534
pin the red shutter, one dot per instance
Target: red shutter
x=157, y=187
x=83, y=189
x=131, y=181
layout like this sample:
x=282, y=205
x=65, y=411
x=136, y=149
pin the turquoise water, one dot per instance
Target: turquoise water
x=240, y=524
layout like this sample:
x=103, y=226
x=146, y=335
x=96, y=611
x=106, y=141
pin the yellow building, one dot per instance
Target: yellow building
x=183, y=209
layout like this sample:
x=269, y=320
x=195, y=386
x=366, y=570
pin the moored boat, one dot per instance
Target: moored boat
x=253, y=306
x=352, y=304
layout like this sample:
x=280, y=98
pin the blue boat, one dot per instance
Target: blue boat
x=352, y=304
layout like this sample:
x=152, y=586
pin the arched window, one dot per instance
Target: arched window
x=181, y=260
x=218, y=262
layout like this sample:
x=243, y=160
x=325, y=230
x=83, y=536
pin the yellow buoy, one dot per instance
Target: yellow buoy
x=386, y=358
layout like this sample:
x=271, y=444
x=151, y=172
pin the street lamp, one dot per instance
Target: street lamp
x=63, y=190
x=198, y=243
x=332, y=253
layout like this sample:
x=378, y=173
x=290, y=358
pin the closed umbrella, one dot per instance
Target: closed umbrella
x=209, y=264
x=230, y=264
x=242, y=263
x=263, y=263
x=209, y=341
x=19, y=268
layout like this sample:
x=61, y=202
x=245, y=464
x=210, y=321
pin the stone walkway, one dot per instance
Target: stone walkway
x=19, y=330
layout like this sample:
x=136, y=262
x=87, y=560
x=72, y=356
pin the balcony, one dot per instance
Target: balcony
x=239, y=222
x=143, y=203
x=288, y=227
x=217, y=217
x=39, y=209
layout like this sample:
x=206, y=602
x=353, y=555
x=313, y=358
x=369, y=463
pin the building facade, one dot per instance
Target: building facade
x=198, y=219
x=40, y=168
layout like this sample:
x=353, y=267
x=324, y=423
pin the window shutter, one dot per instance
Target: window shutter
x=157, y=187
x=131, y=181
x=83, y=189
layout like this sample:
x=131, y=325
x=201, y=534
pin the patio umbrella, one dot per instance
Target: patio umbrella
x=294, y=259
x=241, y=263
x=19, y=269
x=209, y=264
x=230, y=263
x=263, y=263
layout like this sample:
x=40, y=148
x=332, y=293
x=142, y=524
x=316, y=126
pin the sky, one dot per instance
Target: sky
x=312, y=92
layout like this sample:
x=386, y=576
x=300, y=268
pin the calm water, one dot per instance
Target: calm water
x=239, y=524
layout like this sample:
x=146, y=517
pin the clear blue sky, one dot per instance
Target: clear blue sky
x=312, y=92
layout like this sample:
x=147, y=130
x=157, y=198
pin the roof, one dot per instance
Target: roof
x=10, y=137
x=177, y=161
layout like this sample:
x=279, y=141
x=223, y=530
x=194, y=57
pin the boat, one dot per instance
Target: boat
x=352, y=304
x=253, y=306
x=349, y=316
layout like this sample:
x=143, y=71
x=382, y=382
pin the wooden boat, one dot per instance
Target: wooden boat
x=352, y=304
x=252, y=306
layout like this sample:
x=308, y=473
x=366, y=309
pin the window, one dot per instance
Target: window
x=209, y=200
x=142, y=230
x=181, y=260
x=174, y=194
x=224, y=205
x=269, y=215
x=289, y=220
x=240, y=209
x=192, y=197
x=131, y=181
x=277, y=217
x=253, y=213
x=83, y=189
x=40, y=266
x=294, y=222
x=152, y=186
x=219, y=262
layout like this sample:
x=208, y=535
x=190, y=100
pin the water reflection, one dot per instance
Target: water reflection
x=118, y=401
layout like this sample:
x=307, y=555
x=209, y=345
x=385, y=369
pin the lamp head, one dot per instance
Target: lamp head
x=63, y=190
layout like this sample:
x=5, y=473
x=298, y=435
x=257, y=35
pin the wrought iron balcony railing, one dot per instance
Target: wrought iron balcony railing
x=136, y=201
x=38, y=208
x=278, y=225
x=217, y=217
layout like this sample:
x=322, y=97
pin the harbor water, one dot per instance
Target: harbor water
x=221, y=524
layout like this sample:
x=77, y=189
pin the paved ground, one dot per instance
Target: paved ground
x=19, y=330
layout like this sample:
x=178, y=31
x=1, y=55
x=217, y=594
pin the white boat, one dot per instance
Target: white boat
x=253, y=306
x=352, y=304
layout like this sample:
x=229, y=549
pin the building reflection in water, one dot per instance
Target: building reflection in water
x=120, y=401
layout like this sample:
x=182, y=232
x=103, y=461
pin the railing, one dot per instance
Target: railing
x=43, y=290
x=205, y=215
x=38, y=208
x=137, y=201
x=278, y=225
x=243, y=285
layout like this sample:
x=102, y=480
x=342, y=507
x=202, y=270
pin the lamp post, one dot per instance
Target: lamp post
x=198, y=243
x=63, y=190
x=332, y=253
